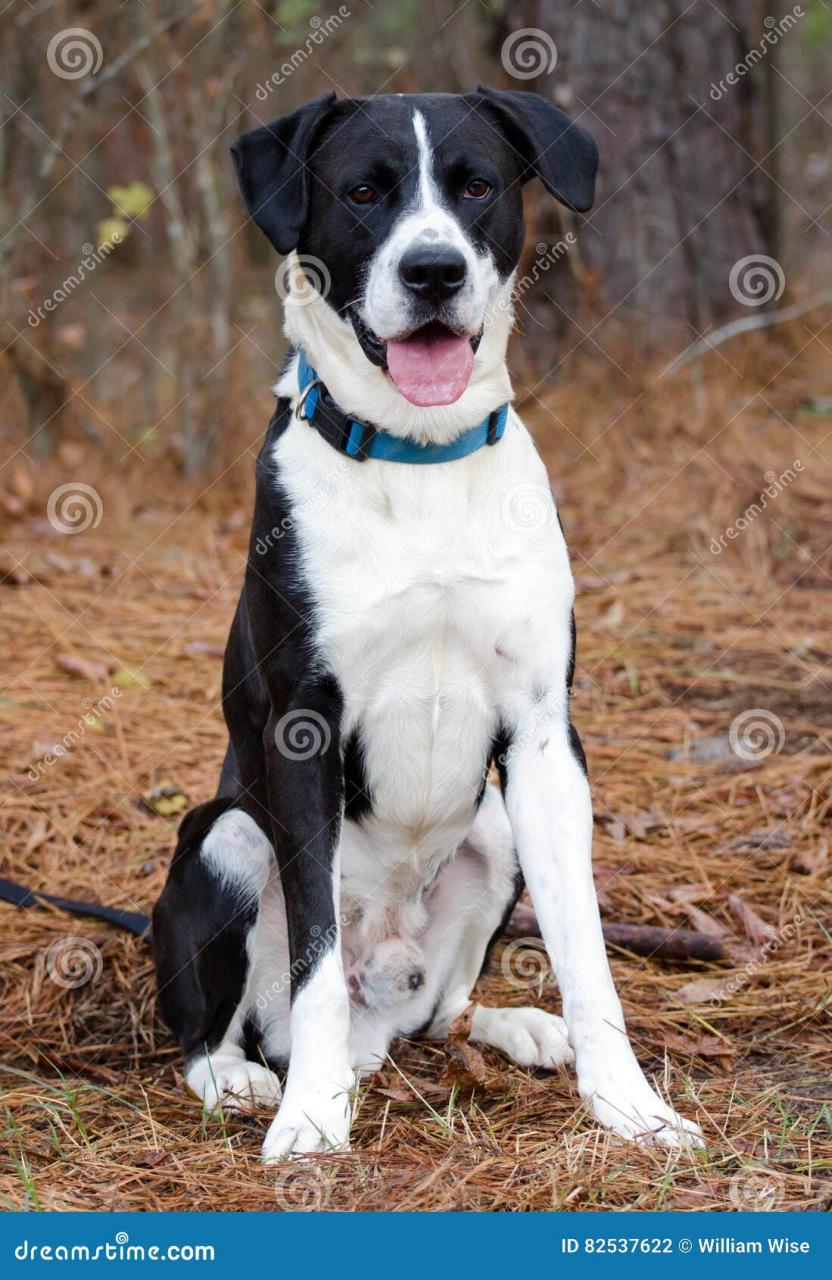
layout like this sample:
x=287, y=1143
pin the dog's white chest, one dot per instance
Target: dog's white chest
x=423, y=586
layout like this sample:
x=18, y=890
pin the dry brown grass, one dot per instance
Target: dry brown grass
x=674, y=643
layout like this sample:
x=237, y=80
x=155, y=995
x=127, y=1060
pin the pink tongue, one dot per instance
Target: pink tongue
x=431, y=368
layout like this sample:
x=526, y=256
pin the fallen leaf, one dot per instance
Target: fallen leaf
x=165, y=799
x=14, y=576
x=703, y=1046
x=809, y=862
x=762, y=839
x=702, y=991
x=148, y=1159
x=130, y=678
x=84, y=668
x=465, y=1067
x=613, y=617
x=705, y=923
x=704, y=750
x=204, y=646
x=756, y=929
x=20, y=482
x=73, y=336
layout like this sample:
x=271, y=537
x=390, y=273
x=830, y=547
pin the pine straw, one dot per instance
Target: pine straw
x=674, y=643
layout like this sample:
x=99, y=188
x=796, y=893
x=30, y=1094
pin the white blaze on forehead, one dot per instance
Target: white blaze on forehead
x=428, y=195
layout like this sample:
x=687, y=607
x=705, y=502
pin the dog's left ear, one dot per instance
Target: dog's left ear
x=271, y=171
x=555, y=149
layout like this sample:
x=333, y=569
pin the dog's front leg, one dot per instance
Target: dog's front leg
x=305, y=794
x=548, y=803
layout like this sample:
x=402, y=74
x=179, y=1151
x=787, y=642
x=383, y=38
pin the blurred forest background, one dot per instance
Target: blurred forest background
x=137, y=307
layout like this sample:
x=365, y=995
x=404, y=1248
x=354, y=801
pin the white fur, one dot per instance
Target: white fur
x=238, y=853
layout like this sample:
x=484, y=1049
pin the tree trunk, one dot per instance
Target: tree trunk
x=685, y=187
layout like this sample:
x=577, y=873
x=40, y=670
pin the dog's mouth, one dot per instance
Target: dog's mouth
x=431, y=366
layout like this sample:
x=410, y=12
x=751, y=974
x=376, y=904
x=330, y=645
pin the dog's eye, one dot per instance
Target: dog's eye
x=363, y=194
x=477, y=189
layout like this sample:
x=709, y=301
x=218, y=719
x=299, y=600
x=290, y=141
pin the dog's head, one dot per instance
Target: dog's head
x=413, y=205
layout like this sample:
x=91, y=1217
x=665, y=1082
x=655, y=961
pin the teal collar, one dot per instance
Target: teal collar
x=360, y=440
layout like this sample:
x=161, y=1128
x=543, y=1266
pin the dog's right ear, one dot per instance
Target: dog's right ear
x=271, y=171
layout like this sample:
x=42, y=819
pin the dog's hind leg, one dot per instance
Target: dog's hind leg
x=202, y=928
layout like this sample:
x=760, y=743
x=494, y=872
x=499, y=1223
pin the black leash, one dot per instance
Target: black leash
x=132, y=921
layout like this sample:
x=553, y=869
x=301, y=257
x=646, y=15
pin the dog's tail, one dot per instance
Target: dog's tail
x=19, y=896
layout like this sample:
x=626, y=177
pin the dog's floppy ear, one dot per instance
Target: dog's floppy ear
x=271, y=171
x=555, y=149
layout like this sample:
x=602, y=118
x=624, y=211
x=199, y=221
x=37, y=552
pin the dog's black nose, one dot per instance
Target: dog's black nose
x=433, y=272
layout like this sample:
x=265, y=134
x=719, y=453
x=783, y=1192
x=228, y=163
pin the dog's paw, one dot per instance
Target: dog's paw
x=234, y=1086
x=315, y=1122
x=530, y=1037
x=636, y=1112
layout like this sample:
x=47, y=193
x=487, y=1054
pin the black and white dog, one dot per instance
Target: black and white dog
x=402, y=625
